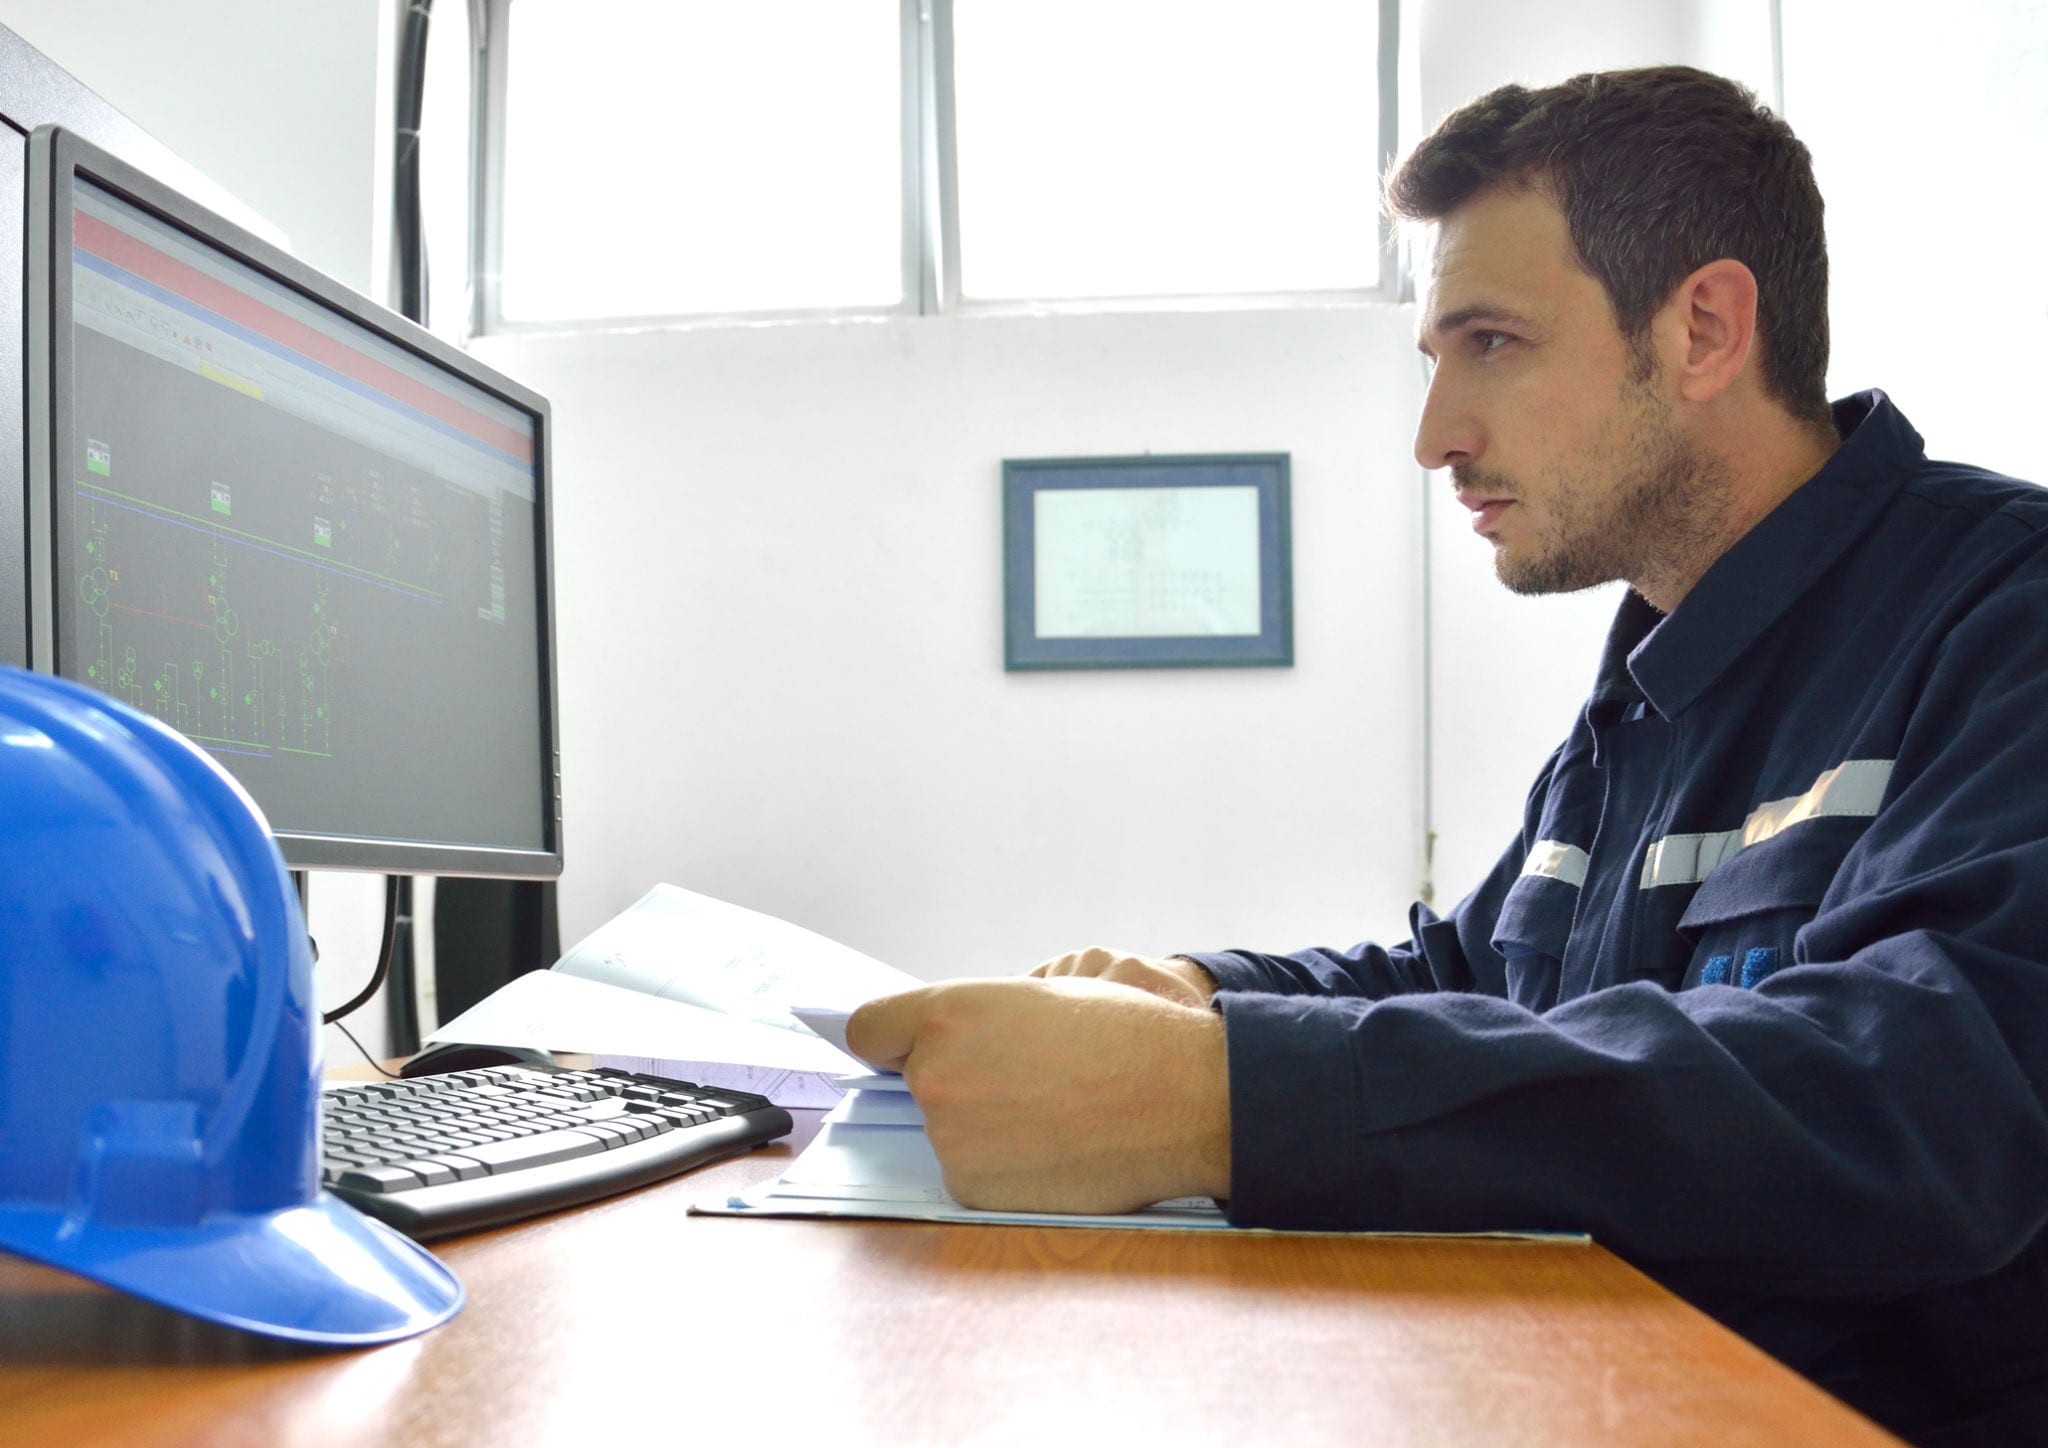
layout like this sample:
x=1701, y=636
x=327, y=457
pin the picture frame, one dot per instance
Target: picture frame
x=1147, y=562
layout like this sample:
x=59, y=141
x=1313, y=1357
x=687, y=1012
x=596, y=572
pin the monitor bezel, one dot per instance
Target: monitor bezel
x=57, y=157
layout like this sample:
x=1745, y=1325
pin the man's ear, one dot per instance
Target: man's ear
x=1711, y=319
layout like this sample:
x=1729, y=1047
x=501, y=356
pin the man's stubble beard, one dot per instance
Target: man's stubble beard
x=1659, y=525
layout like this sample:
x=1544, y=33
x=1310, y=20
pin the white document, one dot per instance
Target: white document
x=558, y=1012
x=877, y=1108
x=825, y=1022
x=783, y=1087
x=855, y=1170
x=684, y=985
x=682, y=946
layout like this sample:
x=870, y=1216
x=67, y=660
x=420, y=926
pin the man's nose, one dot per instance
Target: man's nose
x=1447, y=433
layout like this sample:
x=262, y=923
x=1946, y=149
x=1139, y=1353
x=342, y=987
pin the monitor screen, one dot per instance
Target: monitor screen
x=293, y=526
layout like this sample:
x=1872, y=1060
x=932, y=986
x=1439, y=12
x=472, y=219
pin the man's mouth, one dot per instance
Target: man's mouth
x=1486, y=511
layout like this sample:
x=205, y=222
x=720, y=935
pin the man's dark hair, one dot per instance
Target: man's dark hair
x=1658, y=172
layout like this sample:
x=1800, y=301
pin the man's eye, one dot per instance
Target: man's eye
x=1490, y=341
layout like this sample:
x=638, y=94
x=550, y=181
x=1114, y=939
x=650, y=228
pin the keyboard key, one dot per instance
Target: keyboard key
x=462, y=1166
x=499, y=1156
x=611, y=1135
x=428, y=1170
x=378, y=1179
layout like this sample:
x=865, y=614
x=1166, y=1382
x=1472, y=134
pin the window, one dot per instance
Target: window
x=649, y=159
x=1119, y=148
x=680, y=156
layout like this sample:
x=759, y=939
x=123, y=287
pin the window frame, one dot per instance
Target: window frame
x=930, y=186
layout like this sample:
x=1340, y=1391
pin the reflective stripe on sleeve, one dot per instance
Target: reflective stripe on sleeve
x=1555, y=860
x=1854, y=788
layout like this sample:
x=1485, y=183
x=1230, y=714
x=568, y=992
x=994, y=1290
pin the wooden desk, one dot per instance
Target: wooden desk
x=630, y=1322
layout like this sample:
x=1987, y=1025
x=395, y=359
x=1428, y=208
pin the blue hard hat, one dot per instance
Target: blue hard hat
x=160, y=1044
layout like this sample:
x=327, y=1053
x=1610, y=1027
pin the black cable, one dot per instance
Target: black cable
x=388, y=1075
x=401, y=1010
x=383, y=956
x=412, y=85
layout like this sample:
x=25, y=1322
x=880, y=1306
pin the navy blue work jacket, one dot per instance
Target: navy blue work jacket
x=1759, y=998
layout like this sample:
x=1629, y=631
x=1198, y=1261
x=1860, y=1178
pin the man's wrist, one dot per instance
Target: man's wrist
x=1207, y=1095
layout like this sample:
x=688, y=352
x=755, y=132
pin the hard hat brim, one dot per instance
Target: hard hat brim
x=319, y=1272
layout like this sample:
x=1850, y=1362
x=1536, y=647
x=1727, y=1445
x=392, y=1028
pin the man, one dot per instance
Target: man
x=1758, y=997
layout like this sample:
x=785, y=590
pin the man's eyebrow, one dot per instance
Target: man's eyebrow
x=1451, y=323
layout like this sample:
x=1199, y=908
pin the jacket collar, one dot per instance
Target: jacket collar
x=1672, y=660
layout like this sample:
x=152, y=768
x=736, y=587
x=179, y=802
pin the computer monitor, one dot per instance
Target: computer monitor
x=294, y=526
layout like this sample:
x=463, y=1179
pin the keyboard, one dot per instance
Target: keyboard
x=451, y=1153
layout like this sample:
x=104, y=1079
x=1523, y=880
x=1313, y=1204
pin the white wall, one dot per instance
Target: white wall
x=780, y=580
x=1930, y=140
x=273, y=99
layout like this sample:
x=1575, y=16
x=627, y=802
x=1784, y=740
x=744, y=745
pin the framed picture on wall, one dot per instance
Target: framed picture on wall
x=1147, y=562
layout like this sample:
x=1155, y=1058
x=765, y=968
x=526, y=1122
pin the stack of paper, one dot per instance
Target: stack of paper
x=686, y=986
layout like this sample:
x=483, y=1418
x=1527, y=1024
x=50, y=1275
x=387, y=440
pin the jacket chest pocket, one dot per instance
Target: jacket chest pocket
x=1744, y=920
x=1534, y=925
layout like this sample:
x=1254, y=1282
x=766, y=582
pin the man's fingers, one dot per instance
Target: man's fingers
x=1058, y=965
x=1180, y=981
x=881, y=1032
x=1078, y=962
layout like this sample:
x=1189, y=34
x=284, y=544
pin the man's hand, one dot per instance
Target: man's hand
x=1180, y=981
x=1065, y=1095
